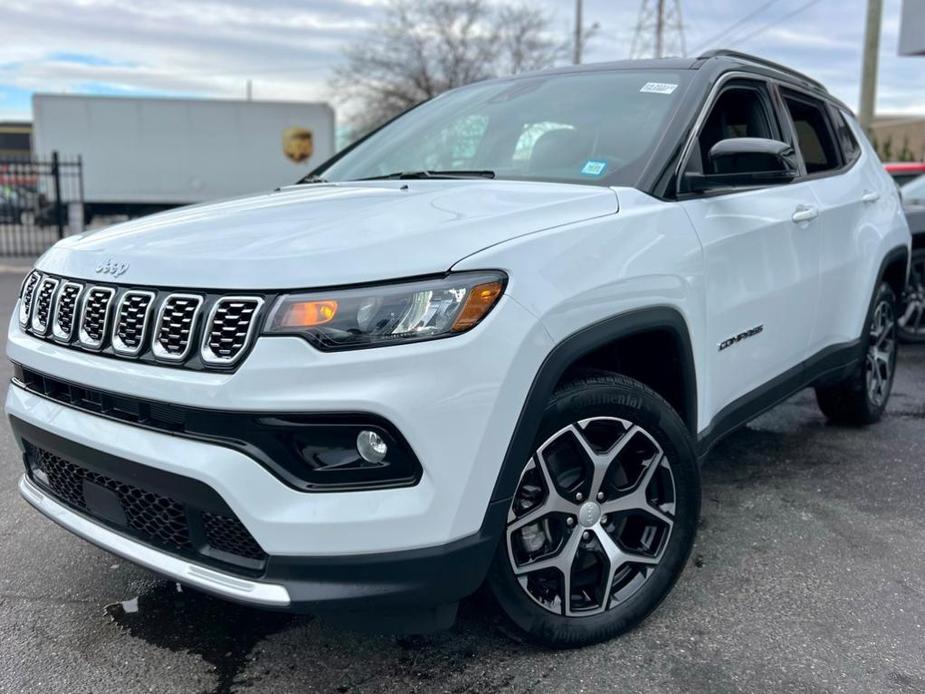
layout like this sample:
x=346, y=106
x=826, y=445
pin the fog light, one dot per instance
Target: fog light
x=371, y=447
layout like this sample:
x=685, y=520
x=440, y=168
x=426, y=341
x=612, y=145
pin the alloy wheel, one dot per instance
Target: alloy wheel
x=881, y=354
x=912, y=320
x=591, y=517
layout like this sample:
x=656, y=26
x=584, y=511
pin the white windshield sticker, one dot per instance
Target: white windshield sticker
x=658, y=87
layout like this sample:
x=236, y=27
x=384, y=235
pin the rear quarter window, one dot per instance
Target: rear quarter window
x=814, y=133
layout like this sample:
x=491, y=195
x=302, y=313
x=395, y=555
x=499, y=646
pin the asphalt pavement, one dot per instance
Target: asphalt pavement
x=808, y=576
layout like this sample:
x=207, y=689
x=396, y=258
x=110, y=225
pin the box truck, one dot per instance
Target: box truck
x=142, y=155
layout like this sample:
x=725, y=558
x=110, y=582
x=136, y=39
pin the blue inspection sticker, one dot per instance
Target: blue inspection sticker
x=593, y=168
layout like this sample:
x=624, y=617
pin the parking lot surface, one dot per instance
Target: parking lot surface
x=808, y=576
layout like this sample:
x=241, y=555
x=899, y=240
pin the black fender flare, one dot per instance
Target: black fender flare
x=570, y=350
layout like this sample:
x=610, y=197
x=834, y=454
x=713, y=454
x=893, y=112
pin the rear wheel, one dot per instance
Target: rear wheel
x=862, y=397
x=604, y=515
x=911, y=321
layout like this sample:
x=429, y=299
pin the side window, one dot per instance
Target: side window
x=738, y=112
x=849, y=144
x=814, y=135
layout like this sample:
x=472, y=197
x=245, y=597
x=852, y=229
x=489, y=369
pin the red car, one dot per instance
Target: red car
x=905, y=171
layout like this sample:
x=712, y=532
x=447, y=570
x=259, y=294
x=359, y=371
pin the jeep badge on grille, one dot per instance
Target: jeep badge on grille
x=111, y=268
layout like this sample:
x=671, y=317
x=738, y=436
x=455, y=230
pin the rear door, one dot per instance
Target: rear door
x=761, y=253
x=852, y=194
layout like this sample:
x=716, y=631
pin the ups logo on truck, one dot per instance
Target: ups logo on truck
x=297, y=144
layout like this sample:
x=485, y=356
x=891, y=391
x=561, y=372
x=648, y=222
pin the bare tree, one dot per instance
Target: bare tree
x=425, y=47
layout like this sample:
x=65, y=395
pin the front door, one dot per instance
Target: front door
x=761, y=257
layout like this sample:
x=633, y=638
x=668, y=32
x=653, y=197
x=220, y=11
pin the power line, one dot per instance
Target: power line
x=735, y=25
x=777, y=21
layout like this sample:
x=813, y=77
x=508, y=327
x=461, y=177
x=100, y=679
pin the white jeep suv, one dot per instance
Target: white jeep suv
x=490, y=341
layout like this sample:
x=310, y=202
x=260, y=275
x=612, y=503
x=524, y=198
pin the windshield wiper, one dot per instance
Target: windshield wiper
x=311, y=178
x=484, y=173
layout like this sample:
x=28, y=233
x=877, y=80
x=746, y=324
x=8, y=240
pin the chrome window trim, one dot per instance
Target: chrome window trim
x=56, y=332
x=162, y=354
x=83, y=339
x=774, y=84
x=34, y=323
x=205, y=350
x=705, y=112
x=118, y=346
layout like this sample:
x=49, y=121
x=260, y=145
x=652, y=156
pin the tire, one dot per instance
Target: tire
x=861, y=397
x=911, y=321
x=649, y=509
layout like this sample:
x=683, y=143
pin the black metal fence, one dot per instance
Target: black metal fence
x=41, y=201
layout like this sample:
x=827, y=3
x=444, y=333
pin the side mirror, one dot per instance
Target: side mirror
x=743, y=162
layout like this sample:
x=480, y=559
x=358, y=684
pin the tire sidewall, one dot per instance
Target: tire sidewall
x=613, y=397
x=918, y=255
x=884, y=291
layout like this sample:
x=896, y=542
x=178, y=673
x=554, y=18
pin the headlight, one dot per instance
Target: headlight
x=388, y=314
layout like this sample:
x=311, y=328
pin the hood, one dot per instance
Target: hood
x=322, y=235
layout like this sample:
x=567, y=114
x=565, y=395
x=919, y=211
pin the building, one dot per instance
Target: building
x=899, y=137
x=15, y=139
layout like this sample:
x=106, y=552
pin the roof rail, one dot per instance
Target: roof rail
x=727, y=53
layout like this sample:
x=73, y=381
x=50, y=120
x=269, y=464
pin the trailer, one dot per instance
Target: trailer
x=142, y=155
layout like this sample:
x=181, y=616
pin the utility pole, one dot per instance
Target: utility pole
x=869, y=66
x=579, y=31
x=249, y=91
x=659, y=30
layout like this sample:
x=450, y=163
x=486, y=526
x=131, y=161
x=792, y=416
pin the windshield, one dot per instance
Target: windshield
x=914, y=190
x=588, y=127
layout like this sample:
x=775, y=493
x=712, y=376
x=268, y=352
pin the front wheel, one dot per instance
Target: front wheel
x=911, y=322
x=603, y=517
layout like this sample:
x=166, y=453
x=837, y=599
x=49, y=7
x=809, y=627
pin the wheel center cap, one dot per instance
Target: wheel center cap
x=589, y=514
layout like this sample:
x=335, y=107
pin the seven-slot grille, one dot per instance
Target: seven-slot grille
x=229, y=329
x=131, y=318
x=43, y=301
x=94, y=317
x=176, y=322
x=62, y=324
x=195, y=330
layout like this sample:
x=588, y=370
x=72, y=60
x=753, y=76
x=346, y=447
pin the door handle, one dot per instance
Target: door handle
x=871, y=196
x=804, y=213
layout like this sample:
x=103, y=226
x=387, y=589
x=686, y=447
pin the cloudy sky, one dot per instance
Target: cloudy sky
x=210, y=48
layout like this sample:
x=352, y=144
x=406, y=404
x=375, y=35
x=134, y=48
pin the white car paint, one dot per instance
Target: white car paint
x=324, y=235
x=574, y=255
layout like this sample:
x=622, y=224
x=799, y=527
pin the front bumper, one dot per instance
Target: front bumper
x=148, y=501
x=216, y=582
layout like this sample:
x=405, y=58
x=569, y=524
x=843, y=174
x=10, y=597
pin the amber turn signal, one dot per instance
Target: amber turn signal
x=307, y=314
x=478, y=303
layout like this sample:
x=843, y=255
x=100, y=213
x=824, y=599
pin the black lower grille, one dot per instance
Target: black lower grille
x=151, y=517
x=228, y=535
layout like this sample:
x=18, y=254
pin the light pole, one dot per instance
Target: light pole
x=869, y=66
x=576, y=58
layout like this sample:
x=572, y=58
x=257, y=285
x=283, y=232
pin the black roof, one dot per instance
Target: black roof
x=721, y=59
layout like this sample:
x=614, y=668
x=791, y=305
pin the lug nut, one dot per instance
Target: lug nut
x=570, y=521
x=586, y=535
x=600, y=496
x=603, y=520
x=579, y=496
